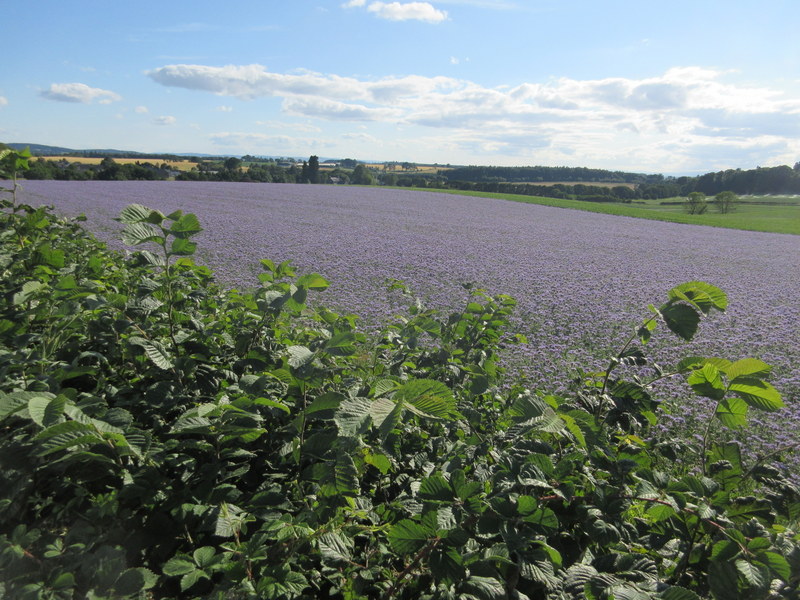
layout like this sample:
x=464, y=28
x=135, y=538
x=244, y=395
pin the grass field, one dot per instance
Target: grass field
x=774, y=214
x=180, y=165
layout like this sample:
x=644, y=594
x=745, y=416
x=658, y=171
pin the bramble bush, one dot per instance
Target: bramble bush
x=161, y=437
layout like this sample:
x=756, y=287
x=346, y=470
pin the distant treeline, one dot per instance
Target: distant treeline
x=762, y=180
x=580, y=183
x=108, y=169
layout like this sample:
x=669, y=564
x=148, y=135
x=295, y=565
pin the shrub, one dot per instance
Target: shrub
x=161, y=437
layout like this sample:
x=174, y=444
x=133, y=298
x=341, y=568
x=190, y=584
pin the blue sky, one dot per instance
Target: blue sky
x=684, y=87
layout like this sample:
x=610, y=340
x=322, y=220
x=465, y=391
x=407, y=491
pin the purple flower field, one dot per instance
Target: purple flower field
x=582, y=280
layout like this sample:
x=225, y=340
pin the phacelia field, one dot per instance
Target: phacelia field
x=582, y=280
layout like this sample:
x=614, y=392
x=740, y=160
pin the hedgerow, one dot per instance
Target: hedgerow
x=161, y=437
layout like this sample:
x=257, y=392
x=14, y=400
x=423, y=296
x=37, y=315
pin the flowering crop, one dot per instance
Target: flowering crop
x=576, y=275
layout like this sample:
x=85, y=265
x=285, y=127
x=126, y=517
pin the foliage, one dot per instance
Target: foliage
x=695, y=203
x=725, y=202
x=11, y=163
x=161, y=437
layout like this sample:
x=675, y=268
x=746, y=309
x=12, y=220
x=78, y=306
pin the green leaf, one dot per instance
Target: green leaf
x=678, y=593
x=139, y=233
x=46, y=411
x=178, y=566
x=192, y=578
x=779, y=565
x=353, y=416
x=341, y=344
x=681, y=319
x=428, y=398
x=407, y=536
x=707, y=382
x=436, y=487
x=757, y=393
x=755, y=576
x=133, y=581
x=345, y=475
x=299, y=356
x=134, y=213
x=483, y=588
x=154, y=351
x=312, y=281
x=66, y=435
x=700, y=294
x=446, y=564
x=186, y=226
x=335, y=548
x=203, y=557
x=527, y=407
x=182, y=247
x=747, y=367
x=732, y=412
x=379, y=461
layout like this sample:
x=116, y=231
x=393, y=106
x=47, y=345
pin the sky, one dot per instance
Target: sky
x=677, y=88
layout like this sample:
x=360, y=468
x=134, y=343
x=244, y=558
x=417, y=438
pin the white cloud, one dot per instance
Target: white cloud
x=399, y=11
x=3, y=101
x=225, y=108
x=79, y=92
x=141, y=110
x=165, y=120
x=354, y=3
x=611, y=121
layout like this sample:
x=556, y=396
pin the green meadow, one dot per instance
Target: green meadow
x=774, y=214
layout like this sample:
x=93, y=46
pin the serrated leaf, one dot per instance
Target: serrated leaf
x=178, y=566
x=186, y=226
x=341, y=344
x=436, y=487
x=299, y=356
x=428, y=398
x=749, y=367
x=681, y=319
x=192, y=578
x=732, y=412
x=407, y=536
x=754, y=575
x=312, y=281
x=154, y=351
x=483, y=588
x=140, y=233
x=66, y=435
x=701, y=294
x=446, y=564
x=345, y=475
x=335, y=548
x=678, y=593
x=182, y=247
x=779, y=565
x=707, y=382
x=353, y=416
x=204, y=556
x=757, y=393
x=134, y=213
x=133, y=581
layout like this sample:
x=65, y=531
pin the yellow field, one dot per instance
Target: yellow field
x=180, y=165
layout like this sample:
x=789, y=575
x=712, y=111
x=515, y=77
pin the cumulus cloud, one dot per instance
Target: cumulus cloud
x=79, y=92
x=408, y=11
x=141, y=110
x=224, y=108
x=548, y=121
x=165, y=120
x=3, y=101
